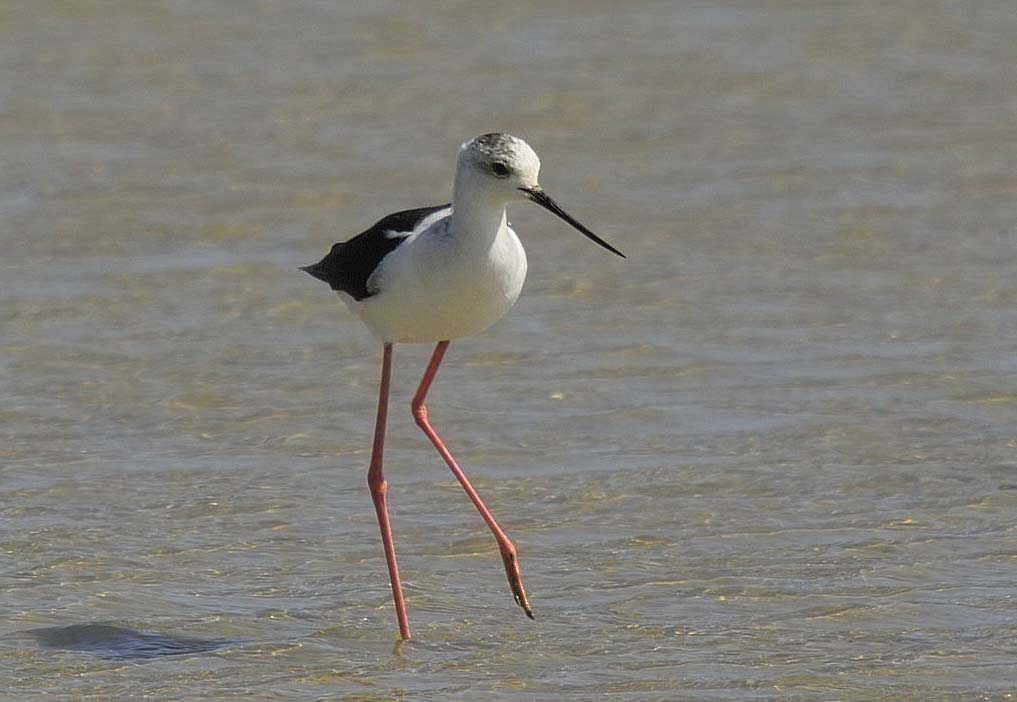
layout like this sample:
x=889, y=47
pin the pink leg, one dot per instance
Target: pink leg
x=508, y=550
x=379, y=486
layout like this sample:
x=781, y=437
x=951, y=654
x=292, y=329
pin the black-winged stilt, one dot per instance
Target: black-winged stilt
x=440, y=273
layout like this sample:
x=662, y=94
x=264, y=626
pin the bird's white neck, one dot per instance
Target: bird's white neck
x=476, y=216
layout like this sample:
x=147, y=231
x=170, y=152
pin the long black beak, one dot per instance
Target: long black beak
x=538, y=195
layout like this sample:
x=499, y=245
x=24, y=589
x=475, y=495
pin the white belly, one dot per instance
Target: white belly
x=433, y=290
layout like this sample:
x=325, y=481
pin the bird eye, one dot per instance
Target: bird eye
x=500, y=169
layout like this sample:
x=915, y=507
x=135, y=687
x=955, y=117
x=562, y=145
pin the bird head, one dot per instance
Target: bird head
x=504, y=168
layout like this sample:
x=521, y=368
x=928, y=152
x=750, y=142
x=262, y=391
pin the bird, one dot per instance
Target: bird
x=433, y=274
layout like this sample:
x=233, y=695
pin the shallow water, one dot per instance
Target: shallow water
x=772, y=455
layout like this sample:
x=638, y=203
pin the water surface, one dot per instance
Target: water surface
x=771, y=456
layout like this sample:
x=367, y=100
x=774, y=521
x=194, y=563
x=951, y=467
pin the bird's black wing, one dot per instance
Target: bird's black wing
x=349, y=264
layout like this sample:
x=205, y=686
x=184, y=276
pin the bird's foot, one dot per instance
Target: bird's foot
x=516, y=580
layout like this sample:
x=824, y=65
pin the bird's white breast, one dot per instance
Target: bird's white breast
x=437, y=286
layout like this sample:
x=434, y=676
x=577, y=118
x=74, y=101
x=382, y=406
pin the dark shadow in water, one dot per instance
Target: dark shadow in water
x=120, y=643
